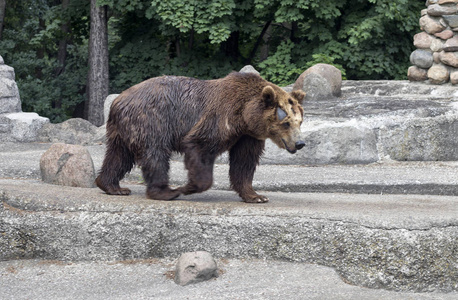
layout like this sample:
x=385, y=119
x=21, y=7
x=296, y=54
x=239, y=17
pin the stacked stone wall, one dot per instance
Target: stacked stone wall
x=436, y=56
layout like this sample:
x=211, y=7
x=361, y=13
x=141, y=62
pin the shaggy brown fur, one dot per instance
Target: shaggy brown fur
x=202, y=119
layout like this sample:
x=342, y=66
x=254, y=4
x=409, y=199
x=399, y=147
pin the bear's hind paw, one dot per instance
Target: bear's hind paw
x=118, y=192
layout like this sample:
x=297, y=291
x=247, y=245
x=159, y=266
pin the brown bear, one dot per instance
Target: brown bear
x=202, y=119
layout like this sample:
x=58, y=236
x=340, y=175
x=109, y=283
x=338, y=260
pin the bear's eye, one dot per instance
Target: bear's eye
x=286, y=125
x=290, y=101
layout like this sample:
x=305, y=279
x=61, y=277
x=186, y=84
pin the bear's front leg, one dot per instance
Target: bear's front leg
x=244, y=157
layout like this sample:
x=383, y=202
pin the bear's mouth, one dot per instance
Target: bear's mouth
x=287, y=148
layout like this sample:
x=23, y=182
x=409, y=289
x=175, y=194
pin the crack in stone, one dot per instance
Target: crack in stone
x=62, y=161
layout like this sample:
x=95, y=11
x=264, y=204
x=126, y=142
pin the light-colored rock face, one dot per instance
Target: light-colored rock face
x=194, y=267
x=248, y=69
x=15, y=125
x=321, y=81
x=68, y=165
x=9, y=94
x=21, y=126
x=107, y=105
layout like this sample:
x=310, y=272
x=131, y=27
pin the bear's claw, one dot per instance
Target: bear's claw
x=256, y=199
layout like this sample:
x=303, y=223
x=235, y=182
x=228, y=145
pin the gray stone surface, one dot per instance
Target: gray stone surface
x=72, y=131
x=15, y=125
x=422, y=58
x=452, y=21
x=69, y=165
x=10, y=101
x=107, y=105
x=195, y=267
x=246, y=279
x=21, y=161
x=377, y=120
x=248, y=69
x=21, y=126
x=399, y=242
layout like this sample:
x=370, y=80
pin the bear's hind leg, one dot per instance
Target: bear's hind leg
x=200, y=172
x=156, y=175
x=117, y=162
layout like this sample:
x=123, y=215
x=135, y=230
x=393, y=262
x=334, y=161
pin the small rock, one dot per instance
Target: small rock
x=68, y=165
x=449, y=58
x=452, y=21
x=447, y=1
x=451, y=45
x=438, y=74
x=436, y=57
x=322, y=81
x=107, y=105
x=454, y=77
x=421, y=58
x=440, y=10
x=431, y=25
x=422, y=40
x=437, y=45
x=415, y=73
x=194, y=267
x=445, y=35
x=248, y=69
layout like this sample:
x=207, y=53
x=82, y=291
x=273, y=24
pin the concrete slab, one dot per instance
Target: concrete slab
x=21, y=161
x=399, y=242
x=151, y=279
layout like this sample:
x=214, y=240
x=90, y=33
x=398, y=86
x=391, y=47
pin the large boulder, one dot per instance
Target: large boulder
x=72, y=131
x=10, y=101
x=68, y=165
x=21, y=127
x=322, y=81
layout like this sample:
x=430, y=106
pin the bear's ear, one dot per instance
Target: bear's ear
x=299, y=95
x=268, y=95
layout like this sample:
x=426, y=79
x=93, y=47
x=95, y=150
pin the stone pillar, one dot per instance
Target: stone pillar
x=436, y=56
x=15, y=125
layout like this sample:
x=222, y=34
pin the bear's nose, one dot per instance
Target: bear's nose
x=300, y=145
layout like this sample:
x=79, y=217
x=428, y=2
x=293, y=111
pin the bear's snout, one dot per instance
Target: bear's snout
x=300, y=145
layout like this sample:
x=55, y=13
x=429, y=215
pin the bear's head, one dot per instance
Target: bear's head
x=282, y=116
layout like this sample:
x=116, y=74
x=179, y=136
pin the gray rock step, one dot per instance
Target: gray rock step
x=397, y=242
x=245, y=279
x=22, y=160
x=378, y=120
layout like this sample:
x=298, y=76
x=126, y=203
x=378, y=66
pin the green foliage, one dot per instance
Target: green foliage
x=365, y=39
x=278, y=67
x=30, y=45
x=201, y=16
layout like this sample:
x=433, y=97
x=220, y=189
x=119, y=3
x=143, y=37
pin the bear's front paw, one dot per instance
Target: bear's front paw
x=256, y=199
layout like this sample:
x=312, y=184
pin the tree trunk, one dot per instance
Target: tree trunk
x=98, y=64
x=62, y=51
x=2, y=15
x=258, y=42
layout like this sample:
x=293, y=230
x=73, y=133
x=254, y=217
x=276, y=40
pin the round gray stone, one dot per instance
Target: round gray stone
x=422, y=58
